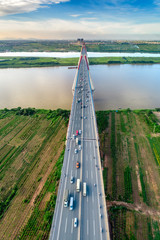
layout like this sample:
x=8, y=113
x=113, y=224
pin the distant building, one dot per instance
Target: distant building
x=80, y=40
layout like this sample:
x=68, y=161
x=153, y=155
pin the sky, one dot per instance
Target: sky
x=72, y=19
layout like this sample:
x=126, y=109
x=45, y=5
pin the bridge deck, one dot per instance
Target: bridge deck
x=90, y=210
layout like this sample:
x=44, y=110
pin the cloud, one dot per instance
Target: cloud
x=66, y=29
x=88, y=18
x=8, y=7
x=75, y=15
x=157, y=2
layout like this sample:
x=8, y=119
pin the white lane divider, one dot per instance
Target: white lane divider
x=66, y=225
x=72, y=226
x=91, y=175
x=94, y=228
x=92, y=198
x=87, y=228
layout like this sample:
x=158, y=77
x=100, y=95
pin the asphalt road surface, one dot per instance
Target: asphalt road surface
x=90, y=210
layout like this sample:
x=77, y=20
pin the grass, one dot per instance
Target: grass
x=105, y=178
x=129, y=151
x=128, y=184
x=31, y=157
x=102, y=120
x=93, y=46
x=114, y=158
x=26, y=62
x=38, y=225
x=155, y=145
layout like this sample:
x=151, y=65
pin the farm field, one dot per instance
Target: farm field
x=92, y=46
x=31, y=157
x=130, y=152
x=27, y=62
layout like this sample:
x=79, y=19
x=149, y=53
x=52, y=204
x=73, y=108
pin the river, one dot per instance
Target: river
x=116, y=86
x=76, y=54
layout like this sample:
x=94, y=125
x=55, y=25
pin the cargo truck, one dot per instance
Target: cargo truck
x=78, y=185
x=84, y=189
x=71, y=203
x=77, y=140
x=66, y=197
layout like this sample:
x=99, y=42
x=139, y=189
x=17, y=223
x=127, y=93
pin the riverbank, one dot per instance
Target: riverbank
x=26, y=62
x=74, y=46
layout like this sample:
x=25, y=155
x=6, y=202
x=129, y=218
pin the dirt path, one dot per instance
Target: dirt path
x=141, y=208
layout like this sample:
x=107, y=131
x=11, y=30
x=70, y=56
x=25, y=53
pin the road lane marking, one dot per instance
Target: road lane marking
x=72, y=226
x=87, y=174
x=66, y=225
x=87, y=228
x=74, y=195
x=92, y=198
x=94, y=229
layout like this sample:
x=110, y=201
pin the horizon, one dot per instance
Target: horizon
x=69, y=19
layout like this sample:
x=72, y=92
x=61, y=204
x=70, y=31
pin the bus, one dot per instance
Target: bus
x=78, y=185
x=71, y=203
x=84, y=189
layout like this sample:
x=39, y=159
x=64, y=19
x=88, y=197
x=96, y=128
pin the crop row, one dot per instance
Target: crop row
x=155, y=145
x=128, y=184
x=38, y=226
x=114, y=158
x=142, y=175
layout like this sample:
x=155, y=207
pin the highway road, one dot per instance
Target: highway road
x=90, y=210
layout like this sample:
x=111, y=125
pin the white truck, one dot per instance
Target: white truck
x=66, y=197
x=71, y=203
x=84, y=189
x=77, y=140
x=78, y=187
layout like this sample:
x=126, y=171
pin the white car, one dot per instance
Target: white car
x=72, y=179
x=80, y=147
x=75, y=222
x=80, y=131
x=76, y=150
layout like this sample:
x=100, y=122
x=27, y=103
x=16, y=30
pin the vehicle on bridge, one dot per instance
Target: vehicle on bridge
x=80, y=132
x=78, y=188
x=77, y=165
x=72, y=179
x=71, y=203
x=84, y=189
x=77, y=141
x=66, y=198
x=76, y=150
x=75, y=222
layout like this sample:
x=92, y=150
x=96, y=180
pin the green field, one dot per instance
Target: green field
x=130, y=156
x=26, y=62
x=31, y=156
x=66, y=46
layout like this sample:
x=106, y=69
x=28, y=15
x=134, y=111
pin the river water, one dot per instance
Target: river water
x=76, y=54
x=116, y=86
